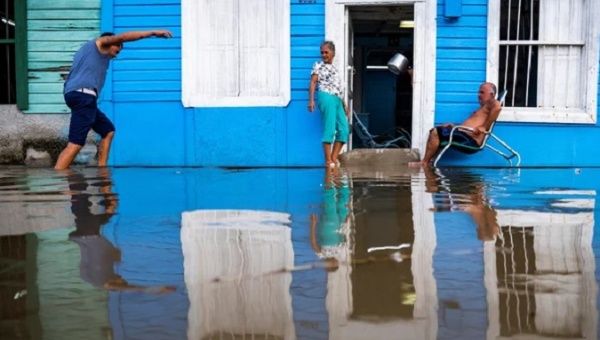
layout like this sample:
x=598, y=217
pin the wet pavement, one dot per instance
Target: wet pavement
x=169, y=253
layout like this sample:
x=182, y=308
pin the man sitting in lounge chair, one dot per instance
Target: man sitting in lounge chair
x=480, y=121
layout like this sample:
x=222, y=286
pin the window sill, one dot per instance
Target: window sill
x=534, y=115
x=198, y=101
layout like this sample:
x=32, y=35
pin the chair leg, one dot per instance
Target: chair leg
x=440, y=154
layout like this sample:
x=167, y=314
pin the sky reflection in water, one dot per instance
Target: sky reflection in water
x=298, y=253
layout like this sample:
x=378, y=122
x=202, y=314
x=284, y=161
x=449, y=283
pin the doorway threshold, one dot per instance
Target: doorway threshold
x=379, y=158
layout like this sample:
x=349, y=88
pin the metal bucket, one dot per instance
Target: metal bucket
x=398, y=63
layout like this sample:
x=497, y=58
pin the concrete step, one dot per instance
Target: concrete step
x=379, y=158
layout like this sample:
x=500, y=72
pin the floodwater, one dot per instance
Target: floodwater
x=167, y=253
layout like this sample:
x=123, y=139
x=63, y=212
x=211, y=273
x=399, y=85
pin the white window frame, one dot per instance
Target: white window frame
x=589, y=67
x=191, y=96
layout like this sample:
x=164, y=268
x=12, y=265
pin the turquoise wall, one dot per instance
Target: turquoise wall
x=55, y=31
x=461, y=67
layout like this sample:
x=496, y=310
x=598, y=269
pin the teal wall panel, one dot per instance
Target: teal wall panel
x=55, y=31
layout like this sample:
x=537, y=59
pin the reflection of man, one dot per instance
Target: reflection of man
x=98, y=255
x=468, y=195
x=326, y=235
x=483, y=215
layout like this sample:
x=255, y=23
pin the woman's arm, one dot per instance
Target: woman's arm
x=311, y=92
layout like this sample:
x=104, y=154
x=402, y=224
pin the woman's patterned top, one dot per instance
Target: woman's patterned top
x=329, y=79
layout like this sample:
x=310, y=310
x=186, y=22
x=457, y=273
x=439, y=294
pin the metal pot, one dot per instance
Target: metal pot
x=398, y=63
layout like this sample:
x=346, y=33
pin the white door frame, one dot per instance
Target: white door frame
x=424, y=58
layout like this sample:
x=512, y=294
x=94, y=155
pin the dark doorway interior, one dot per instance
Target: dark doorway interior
x=382, y=99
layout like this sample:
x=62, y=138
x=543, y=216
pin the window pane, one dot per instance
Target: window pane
x=521, y=82
x=560, y=77
x=235, y=53
x=7, y=19
x=217, y=46
x=523, y=19
x=7, y=74
x=259, y=44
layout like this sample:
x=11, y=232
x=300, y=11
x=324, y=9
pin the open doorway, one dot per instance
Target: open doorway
x=382, y=100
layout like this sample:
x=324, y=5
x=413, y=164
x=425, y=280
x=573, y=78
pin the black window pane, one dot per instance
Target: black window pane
x=525, y=92
x=7, y=74
x=7, y=19
x=523, y=19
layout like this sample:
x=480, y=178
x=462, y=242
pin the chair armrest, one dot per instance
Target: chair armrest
x=467, y=128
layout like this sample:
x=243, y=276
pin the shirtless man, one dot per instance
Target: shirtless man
x=480, y=121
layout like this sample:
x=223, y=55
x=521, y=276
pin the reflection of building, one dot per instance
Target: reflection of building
x=539, y=276
x=385, y=298
x=232, y=264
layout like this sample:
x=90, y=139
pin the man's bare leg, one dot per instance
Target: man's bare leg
x=67, y=155
x=104, y=148
x=337, y=148
x=327, y=154
x=433, y=142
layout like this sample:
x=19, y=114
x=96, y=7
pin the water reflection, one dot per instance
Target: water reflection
x=92, y=209
x=98, y=255
x=540, y=275
x=452, y=254
x=329, y=228
x=388, y=289
x=236, y=265
x=461, y=190
x=539, y=266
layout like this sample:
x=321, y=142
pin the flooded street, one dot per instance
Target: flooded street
x=184, y=253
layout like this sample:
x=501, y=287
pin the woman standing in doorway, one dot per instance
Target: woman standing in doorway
x=325, y=78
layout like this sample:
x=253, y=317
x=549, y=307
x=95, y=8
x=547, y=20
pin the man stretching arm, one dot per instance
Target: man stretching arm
x=82, y=88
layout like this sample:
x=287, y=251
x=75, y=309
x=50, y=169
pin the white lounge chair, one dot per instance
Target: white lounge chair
x=508, y=153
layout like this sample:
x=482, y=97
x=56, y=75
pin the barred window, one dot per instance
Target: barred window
x=545, y=54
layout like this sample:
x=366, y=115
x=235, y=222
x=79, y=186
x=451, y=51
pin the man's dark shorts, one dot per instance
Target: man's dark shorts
x=85, y=115
x=460, y=137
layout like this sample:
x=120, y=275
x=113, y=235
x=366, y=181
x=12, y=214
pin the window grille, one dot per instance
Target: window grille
x=541, y=52
x=545, y=53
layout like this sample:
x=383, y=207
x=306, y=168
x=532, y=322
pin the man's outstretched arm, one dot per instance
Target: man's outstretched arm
x=120, y=38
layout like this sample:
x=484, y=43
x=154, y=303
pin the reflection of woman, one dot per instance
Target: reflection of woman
x=326, y=234
x=325, y=77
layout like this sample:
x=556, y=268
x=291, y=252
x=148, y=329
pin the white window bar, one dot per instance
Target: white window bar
x=515, y=65
x=531, y=26
x=568, y=60
x=505, y=279
x=526, y=278
x=507, y=49
x=514, y=271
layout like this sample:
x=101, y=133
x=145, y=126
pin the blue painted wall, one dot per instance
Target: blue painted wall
x=143, y=96
x=461, y=67
x=153, y=128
